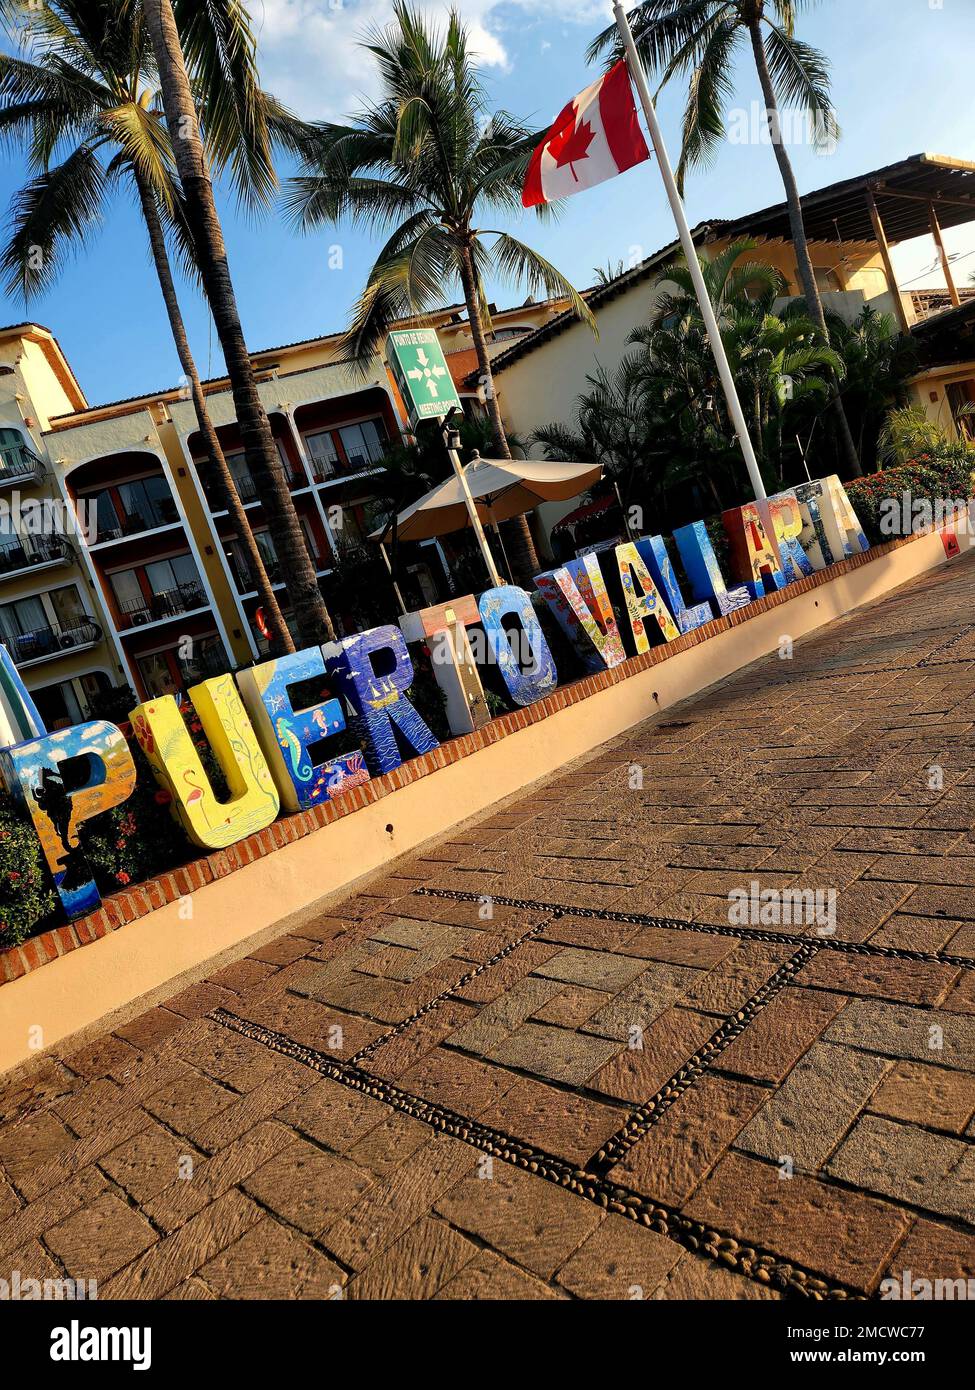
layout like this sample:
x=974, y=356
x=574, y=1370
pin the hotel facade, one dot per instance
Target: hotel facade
x=118, y=564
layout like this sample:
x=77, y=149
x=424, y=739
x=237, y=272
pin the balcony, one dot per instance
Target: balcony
x=244, y=483
x=19, y=466
x=245, y=582
x=30, y=554
x=148, y=518
x=169, y=603
x=45, y=643
x=247, y=488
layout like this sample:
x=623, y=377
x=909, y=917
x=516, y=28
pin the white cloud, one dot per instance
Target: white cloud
x=310, y=55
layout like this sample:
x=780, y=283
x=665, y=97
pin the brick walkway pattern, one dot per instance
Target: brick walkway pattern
x=493, y=1074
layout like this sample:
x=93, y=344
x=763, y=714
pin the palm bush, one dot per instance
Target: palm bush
x=425, y=165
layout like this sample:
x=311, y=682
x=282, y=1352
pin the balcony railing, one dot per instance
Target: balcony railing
x=183, y=598
x=243, y=575
x=28, y=553
x=43, y=643
x=244, y=483
x=148, y=518
x=247, y=489
x=19, y=466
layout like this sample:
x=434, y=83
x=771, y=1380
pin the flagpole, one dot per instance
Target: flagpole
x=690, y=253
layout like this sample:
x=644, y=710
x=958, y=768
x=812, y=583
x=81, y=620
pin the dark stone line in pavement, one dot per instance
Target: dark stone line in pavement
x=755, y=1262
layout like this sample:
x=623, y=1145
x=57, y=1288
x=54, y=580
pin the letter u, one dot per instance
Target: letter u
x=163, y=737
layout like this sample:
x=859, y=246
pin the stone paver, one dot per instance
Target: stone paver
x=822, y=1119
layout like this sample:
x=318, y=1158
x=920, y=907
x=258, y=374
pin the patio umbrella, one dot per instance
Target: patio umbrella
x=501, y=488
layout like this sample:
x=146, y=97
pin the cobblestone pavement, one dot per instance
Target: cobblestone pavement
x=552, y=1093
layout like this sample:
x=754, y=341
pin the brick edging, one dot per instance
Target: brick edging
x=131, y=904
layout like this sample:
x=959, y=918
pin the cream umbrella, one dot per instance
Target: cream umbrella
x=500, y=488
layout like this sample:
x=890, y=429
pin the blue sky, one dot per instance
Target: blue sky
x=902, y=77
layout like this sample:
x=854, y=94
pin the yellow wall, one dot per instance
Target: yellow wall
x=544, y=386
x=935, y=382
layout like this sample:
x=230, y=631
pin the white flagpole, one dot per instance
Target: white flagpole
x=690, y=253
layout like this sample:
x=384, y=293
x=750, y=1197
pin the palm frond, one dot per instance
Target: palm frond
x=711, y=88
x=53, y=210
x=519, y=262
x=221, y=52
x=800, y=75
x=407, y=278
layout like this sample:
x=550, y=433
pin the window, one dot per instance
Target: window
x=827, y=280
x=13, y=452
x=363, y=444
x=67, y=607
x=128, y=591
x=139, y=505
x=23, y=618
x=158, y=676
x=240, y=565
x=324, y=454
x=158, y=590
x=58, y=705
x=147, y=503
x=961, y=402
x=177, y=573
x=244, y=482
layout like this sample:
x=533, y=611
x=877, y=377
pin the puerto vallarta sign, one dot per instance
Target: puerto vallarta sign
x=274, y=752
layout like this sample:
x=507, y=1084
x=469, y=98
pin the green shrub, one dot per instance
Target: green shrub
x=27, y=897
x=931, y=478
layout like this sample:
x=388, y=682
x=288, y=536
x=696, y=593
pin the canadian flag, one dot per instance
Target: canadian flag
x=595, y=137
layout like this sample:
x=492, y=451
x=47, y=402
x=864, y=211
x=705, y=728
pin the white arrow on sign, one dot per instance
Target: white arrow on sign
x=415, y=374
x=432, y=388
x=421, y=357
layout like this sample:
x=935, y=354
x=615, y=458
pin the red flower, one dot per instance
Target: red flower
x=13, y=876
x=123, y=878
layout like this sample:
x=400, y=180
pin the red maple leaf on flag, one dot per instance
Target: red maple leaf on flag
x=571, y=145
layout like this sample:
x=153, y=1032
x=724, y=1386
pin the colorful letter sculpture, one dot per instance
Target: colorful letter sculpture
x=841, y=521
x=812, y=498
x=253, y=802
x=19, y=717
x=832, y=530
x=378, y=700
x=576, y=594
x=704, y=572
x=58, y=798
x=534, y=678
x=653, y=552
x=288, y=736
x=787, y=521
x=444, y=627
x=644, y=601
x=754, y=554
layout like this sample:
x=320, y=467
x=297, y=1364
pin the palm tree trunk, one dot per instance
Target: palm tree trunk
x=311, y=616
x=807, y=277
x=518, y=542
x=280, y=636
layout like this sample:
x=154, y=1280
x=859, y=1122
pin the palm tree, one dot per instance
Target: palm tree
x=423, y=164
x=218, y=38
x=879, y=362
x=87, y=80
x=660, y=420
x=700, y=39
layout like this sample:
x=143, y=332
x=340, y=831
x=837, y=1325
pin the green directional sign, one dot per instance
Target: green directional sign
x=420, y=371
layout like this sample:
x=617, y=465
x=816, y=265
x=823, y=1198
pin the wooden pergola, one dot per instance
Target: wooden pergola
x=925, y=193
